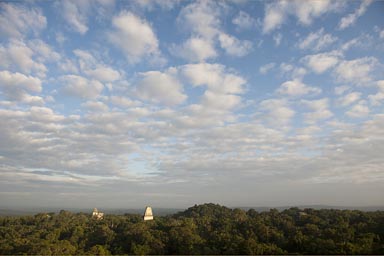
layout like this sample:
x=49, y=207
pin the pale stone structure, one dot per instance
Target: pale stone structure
x=148, y=215
x=97, y=215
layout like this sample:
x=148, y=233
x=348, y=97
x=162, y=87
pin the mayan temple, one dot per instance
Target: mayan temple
x=97, y=215
x=148, y=215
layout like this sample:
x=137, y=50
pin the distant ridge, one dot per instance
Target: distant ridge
x=316, y=207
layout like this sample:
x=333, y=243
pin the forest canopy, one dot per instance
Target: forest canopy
x=201, y=229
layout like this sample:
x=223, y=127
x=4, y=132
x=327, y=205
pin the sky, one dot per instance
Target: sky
x=122, y=104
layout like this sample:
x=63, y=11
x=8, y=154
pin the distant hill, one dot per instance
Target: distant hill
x=316, y=207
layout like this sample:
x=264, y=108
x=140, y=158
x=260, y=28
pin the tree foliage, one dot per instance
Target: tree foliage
x=201, y=229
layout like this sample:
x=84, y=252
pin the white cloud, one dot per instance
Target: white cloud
x=357, y=71
x=214, y=76
x=133, y=36
x=95, y=69
x=292, y=71
x=277, y=110
x=266, y=68
x=234, y=46
x=349, y=98
x=44, y=114
x=297, y=88
x=320, y=110
x=277, y=39
x=44, y=51
x=81, y=87
x=341, y=89
x=150, y=5
x=321, y=62
x=274, y=16
x=20, y=57
x=359, y=110
x=124, y=102
x=276, y=13
x=378, y=98
x=95, y=106
x=160, y=88
x=244, y=21
x=75, y=14
x=219, y=101
x=17, y=20
x=364, y=41
x=381, y=34
x=202, y=18
x=351, y=18
x=68, y=66
x=16, y=85
x=103, y=74
x=195, y=49
x=222, y=87
x=317, y=41
x=86, y=59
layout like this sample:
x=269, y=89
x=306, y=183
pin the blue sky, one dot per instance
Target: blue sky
x=171, y=103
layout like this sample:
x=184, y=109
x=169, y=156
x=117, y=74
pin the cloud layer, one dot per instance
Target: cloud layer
x=172, y=103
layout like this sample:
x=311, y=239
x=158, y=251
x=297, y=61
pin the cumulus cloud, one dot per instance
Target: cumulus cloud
x=364, y=41
x=75, y=13
x=234, y=46
x=339, y=90
x=316, y=41
x=350, y=19
x=124, y=102
x=359, y=110
x=133, y=36
x=104, y=74
x=195, y=49
x=16, y=86
x=17, y=55
x=95, y=106
x=18, y=21
x=220, y=101
x=94, y=68
x=277, y=39
x=278, y=111
x=222, y=92
x=150, y=5
x=357, y=71
x=381, y=34
x=276, y=13
x=243, y=21
x=292, y=71
x=81, y=87
x=378, y=98
x=296, y=88
x=215, y=76
x=44, y=52
x=161, y=88
x=321, y=62
x=349, y=98
x=320, y=110
x=266, y=68
x=203, y=20
x=274, y=16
